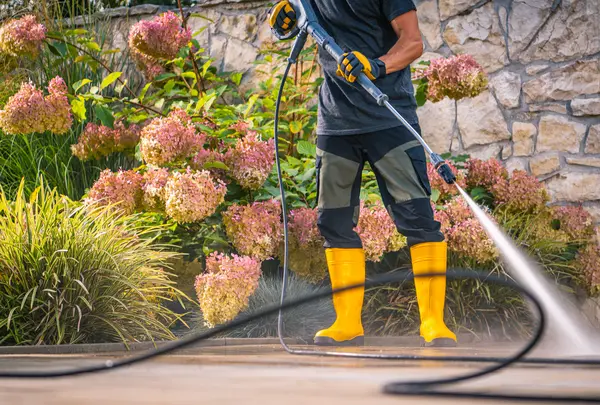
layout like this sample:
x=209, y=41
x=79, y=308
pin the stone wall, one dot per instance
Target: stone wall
x=542, y=110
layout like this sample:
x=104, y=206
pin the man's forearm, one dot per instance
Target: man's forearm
x=402, y=54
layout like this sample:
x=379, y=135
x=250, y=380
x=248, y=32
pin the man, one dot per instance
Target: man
x=381, y=38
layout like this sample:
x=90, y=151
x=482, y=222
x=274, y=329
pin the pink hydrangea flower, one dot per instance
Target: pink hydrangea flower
x=22, y=37
x=193, y=195
x=306, y=252
x=521, y=192
x=170, y=139
x=155, y=181
x=575, y=222
x=255, y=229
x=588, y=262
x=149, y=66
x=251, y=160
x=375, y=228
x=224, y=289
x=456, y=77
x=464, y=232
x=123, y=189
x=485, y=173
x=98, y=141
x=28, y=111
x=446, y=190
x=161, y=37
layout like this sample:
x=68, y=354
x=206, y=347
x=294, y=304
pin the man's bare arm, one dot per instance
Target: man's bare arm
x=409, y=45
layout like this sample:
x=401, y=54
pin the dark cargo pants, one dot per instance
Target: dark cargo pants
x=398, y=161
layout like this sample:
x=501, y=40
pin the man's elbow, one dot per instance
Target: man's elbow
x=418, y=47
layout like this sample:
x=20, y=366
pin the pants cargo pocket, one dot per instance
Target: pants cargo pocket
x=419, y=162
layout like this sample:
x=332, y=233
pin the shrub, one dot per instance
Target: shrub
x=70, y=274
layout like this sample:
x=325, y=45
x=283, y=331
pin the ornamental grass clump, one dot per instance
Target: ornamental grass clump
x=98, y=141
x=251, y=160
x=224, y=288
x=29, y=111
x=80, y=274
x=193, y=195
x=122, y=189
x=306, y=253
x=170, y=139
x=255, y=229
x=456, y=77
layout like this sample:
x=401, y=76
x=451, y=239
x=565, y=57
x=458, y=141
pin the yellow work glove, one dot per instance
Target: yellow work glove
x=282, y=19
x=354, y=63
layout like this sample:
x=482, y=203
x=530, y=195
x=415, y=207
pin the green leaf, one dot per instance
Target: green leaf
x=92, y=46
x=435, y=195
x=58, y=48
x=164, y=76
x=79, y=84
x=159, y=104
x=306, y=148
x=108, y=80
x=215, y=165
x=74, y=32
x=205, y=67
x=295, y=127
x=188, y=75
x=144, y=91
x=236, y=78
x=274, y=191
x=78, y=107
x=169, y=86
x=111, y=51
x=421, y=95
x=201, y=16
x=104, y=114
x=308, y=175
x=251, y=103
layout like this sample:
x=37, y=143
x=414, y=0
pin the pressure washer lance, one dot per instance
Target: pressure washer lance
x=307, y=24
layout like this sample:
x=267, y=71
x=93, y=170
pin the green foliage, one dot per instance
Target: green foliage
x=70, y=274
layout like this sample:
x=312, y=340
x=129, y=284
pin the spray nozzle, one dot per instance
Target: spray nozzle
x=442, y=168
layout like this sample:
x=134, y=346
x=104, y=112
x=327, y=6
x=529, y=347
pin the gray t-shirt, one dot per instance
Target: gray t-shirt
x=364, y=26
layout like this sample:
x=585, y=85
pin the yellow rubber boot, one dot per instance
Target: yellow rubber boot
x=431, y=257
x=346, y=267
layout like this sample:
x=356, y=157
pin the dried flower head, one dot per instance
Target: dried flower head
x=464, y=232
x=588, y=262
x=456, y=77
x=193, y=195
x=22, y=37
x=155, y=181
x=122, y=189
x=376, y=229
x=306, y=253
x=251, y=160
x=225, y=288
x=148, y=65
x=255, y=229
x=575, y=221
x=160, y=37
x=98, y=141
x=28, y=111
x=485, y=173
x=170, y=139
x=521, y=192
